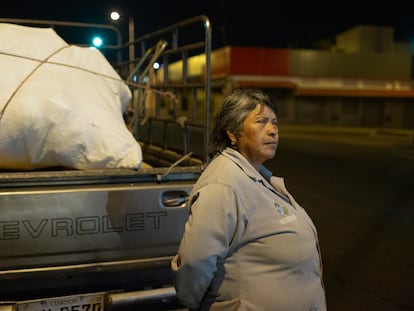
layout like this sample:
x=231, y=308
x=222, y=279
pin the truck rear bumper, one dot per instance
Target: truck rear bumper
x=122, y=301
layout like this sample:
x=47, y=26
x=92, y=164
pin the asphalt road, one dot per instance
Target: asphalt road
x=359, y=191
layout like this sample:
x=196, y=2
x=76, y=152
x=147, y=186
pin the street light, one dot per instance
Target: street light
x=97, y=42
x=115, y=16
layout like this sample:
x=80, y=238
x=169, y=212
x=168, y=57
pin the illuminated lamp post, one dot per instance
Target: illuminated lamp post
x=115, y=16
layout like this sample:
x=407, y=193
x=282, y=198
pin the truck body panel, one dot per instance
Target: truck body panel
x=67, y=232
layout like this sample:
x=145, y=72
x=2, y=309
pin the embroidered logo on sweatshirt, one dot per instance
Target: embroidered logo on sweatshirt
x=285, y=214
x=281, y=209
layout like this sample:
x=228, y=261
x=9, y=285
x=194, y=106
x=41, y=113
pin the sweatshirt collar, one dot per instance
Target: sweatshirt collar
x=256, y=176
x=246, y=167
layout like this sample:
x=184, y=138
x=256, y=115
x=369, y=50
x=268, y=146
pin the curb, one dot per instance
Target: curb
x=358, y=131
x=399, y=141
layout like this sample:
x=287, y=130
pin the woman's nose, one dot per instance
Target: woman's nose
x=272, y=127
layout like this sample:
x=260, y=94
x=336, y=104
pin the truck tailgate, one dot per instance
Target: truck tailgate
x=65, y=232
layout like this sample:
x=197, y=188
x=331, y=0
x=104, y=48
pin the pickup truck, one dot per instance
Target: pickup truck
x=103, y=239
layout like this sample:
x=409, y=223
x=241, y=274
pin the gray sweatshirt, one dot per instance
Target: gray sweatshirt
x=247, y=245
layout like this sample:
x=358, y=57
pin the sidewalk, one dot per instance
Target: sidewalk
x=399, y=140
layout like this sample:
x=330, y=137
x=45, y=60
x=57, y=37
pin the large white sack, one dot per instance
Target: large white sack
x=61, y=115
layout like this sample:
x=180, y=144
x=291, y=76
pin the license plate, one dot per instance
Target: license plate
x=87, y=302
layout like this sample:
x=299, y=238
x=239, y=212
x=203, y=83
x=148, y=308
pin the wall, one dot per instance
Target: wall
x=319, y=63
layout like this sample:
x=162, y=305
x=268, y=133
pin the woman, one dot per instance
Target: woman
x=247, y=245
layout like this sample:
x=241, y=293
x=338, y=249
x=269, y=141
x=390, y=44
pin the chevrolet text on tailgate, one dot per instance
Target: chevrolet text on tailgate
x=103, y=239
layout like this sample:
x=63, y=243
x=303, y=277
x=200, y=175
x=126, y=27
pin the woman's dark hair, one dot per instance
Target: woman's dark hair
x=232, y=113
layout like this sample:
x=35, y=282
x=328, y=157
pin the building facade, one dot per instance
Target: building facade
x=364, y=80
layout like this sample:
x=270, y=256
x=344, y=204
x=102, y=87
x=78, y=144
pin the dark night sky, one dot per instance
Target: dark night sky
x=286, y=23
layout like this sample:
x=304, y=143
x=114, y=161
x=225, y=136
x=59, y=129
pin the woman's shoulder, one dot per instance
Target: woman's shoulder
x=221, y=170
x=219, y=165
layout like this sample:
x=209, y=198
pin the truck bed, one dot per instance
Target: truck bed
x=103, y=239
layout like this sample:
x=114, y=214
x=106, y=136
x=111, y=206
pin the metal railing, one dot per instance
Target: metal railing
x=183, y=51
x=62, y=27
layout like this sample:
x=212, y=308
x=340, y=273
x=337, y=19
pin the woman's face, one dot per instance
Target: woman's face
x=259, y=137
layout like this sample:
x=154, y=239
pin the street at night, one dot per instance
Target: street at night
x=360, y=195
x=342, y=76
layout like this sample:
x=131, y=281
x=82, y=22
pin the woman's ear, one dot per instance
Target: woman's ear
x=232, y=137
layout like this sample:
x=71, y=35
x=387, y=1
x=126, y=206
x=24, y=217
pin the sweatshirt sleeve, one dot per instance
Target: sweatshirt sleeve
x=209, y=231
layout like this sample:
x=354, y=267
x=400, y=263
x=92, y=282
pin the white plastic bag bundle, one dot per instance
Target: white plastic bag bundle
x=65, y=111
